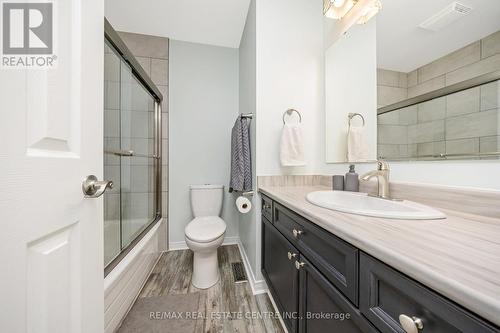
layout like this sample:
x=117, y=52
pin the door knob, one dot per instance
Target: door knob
x=411, y=324
x=92, y=188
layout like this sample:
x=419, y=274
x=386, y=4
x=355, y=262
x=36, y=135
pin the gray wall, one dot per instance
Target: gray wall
x=248, y=83
x=203, y=108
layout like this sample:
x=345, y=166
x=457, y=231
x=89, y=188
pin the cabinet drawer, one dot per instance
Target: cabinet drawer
x=286, y=222
x=323, y=308
x=335, y=258
x=267, y=207
x=386, y=294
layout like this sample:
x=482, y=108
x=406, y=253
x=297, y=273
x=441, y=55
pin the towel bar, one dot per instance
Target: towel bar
x=352, y=115
x=289, y=112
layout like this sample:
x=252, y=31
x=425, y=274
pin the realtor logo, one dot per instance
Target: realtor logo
x=27, y=34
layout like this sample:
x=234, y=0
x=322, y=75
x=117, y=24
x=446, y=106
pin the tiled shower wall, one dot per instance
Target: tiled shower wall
x=152, y=53
x=465, y=122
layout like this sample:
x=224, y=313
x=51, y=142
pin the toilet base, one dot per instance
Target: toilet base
x=205, y=270
x=205, y=263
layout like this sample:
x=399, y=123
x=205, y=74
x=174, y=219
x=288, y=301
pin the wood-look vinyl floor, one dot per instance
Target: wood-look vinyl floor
x=227, y=306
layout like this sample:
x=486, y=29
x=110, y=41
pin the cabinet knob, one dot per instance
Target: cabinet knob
x=299, y=265
x=291, y=255
x=296, y=232
x=411, y=324
x=266, y=207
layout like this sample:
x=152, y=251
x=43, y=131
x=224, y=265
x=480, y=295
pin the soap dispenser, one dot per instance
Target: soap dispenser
x=351, y=180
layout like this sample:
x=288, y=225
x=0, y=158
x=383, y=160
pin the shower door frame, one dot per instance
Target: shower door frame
x=112, y=37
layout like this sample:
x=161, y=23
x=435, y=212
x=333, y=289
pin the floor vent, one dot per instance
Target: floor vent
x=239, y=272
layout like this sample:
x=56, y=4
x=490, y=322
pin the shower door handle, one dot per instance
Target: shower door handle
x=92, y=188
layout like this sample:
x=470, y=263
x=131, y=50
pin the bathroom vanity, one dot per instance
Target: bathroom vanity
x=322, y=270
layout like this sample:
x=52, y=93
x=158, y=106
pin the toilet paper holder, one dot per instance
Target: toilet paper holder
x=247, y=193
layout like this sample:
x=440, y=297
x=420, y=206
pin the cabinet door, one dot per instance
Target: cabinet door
x=323, y=308
x=280, y=273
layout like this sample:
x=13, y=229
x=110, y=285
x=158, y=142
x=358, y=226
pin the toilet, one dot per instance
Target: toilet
x=205, y=233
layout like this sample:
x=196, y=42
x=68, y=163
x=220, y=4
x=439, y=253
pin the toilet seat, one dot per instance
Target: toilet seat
x=205, y=229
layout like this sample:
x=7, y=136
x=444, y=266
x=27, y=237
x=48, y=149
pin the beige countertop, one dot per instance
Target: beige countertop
x=459, y=257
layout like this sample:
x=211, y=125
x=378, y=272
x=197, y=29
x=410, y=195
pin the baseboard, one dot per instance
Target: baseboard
x=257, y=286
x=173, y=246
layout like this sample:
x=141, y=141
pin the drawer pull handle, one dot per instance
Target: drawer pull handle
x=297, y=233
x=299, y=265
x=411, y=324
x=291, y=255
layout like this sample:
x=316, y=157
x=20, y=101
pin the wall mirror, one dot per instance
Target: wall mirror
x=437, y=82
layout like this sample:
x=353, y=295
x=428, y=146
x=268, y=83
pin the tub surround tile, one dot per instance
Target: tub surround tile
x=434, y=109
x=427, y=86
x=467, y=146
x=450, y=62
x=490, y=45
x=145, y=63
x=489, y=144
x=456, y=110
x=490, y=96
x=389, y=118
x=463, y=102
x=472, y=125
x=159, y=71
x=426, y=132
x=459, y=258
x=389, y=95
x=484, y=66
x=408, y=115
x=392, y=78
x=388, y=150
x=412, y=78
x=146, y=45
x=390, y=134
x=431, y=148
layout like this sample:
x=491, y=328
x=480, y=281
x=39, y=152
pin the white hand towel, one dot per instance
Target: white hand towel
x=292, y=146
x=357, y=148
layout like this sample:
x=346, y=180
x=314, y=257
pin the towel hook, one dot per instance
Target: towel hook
x=352, y=115
x=289, y=112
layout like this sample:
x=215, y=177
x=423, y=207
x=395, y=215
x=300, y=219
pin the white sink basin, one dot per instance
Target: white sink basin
x=362, y=204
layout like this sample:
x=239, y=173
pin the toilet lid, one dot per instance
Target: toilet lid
x=205, y=229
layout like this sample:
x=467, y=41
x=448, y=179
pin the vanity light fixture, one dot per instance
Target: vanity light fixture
x=364, y=10
x=337, y=9
x=370, y=11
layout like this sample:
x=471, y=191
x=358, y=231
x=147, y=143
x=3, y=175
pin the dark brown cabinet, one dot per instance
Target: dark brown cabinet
x=278, y=268
x=318, y=279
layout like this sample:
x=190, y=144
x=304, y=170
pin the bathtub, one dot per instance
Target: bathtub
x=124, y=282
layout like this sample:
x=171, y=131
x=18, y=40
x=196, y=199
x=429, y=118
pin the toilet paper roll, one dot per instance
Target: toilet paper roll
x=243, y=204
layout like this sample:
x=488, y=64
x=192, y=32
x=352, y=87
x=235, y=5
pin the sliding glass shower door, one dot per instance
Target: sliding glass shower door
x=131, y=158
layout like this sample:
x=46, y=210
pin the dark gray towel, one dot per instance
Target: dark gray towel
x=241, y=160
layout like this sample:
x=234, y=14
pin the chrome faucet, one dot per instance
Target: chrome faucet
x=382, y=173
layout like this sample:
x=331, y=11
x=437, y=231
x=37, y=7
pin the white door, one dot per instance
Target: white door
x=51, y=138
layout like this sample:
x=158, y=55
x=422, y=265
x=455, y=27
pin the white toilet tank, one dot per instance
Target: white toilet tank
x=206, y=200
